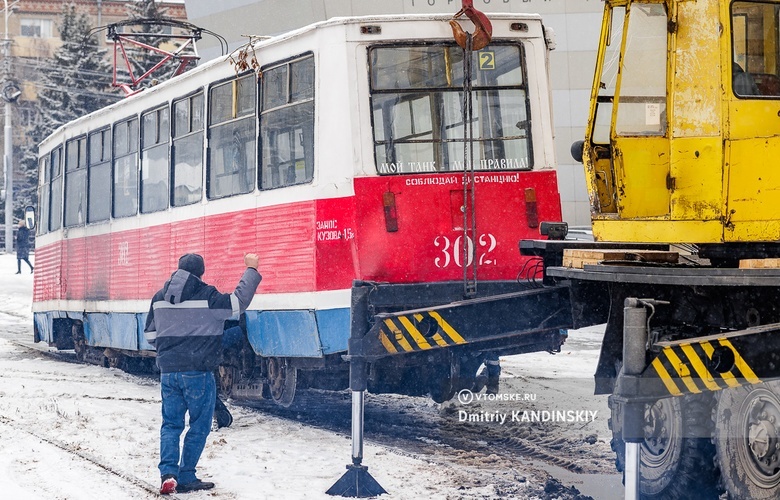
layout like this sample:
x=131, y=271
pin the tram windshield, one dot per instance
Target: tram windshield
x=418, y=108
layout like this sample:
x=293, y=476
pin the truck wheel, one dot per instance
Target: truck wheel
x=677, y=453
x=747, y=440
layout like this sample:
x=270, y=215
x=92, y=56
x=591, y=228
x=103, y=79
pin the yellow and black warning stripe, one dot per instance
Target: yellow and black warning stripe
x=400, y=333
x=687, y=368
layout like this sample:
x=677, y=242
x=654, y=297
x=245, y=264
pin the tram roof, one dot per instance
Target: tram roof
x=262, y=42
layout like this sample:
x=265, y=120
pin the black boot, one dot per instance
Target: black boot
x=222, y=415
x=194, y=486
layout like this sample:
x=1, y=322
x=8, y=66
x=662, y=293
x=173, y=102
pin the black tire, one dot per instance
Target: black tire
x=746, y=440
x=677, y=454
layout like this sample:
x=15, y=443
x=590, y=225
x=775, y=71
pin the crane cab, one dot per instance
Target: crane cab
x=683, y=137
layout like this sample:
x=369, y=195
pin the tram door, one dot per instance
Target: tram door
x=629, y=145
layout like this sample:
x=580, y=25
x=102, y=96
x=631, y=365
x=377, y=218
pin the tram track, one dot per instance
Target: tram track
x=428, y=431
x=407, y=426
x=143, y=488
x=64, y=356
x=426, y=427
x=415, y=423
x=130, y=479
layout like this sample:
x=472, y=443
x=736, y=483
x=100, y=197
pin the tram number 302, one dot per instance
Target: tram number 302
x=452, y=251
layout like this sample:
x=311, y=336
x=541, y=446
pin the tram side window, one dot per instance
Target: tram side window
x=187, y=153
x=155, y=133
x=55, y=215
x=232, y=137
x=99, y=199
x=125, y=189
x=44, y=176
x=419, y=116
x=76, y=182
x=755, y=39
x=287, y=124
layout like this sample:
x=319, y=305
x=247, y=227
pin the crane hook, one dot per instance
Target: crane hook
x=483, y=30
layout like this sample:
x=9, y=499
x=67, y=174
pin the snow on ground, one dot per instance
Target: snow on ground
x=564, y=382
x=15, y=289
x=57, y=420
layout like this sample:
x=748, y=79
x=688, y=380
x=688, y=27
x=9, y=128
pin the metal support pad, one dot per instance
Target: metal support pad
x=357, y=482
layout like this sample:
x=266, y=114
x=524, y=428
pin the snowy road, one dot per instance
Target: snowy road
x=71, y=431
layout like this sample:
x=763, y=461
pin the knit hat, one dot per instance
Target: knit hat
x=193, y=264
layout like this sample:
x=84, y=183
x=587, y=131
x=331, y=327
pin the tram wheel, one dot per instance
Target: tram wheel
x=748, y=440
x=115, y=360
x=676, y=455
x=226, y=377
x=444, y=376
x=79, y=341
x=282, y=381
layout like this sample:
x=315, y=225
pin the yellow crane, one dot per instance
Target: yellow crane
x=682, y=148
x=684, y=131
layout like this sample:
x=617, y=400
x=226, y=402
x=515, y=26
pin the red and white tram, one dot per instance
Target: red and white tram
x=340, y=160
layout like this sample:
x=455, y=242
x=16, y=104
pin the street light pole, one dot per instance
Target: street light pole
x=8, y=148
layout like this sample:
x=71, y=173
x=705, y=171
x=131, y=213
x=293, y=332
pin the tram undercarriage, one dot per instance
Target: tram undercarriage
x=418, y=340
x=412, y=343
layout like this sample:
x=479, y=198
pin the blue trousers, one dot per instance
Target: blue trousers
x=182, y=392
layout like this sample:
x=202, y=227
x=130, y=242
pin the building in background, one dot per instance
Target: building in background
x=576, y=24
x=31, y=39
x=32, y=29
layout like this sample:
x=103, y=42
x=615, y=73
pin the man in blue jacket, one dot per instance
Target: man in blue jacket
x=185, y=324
